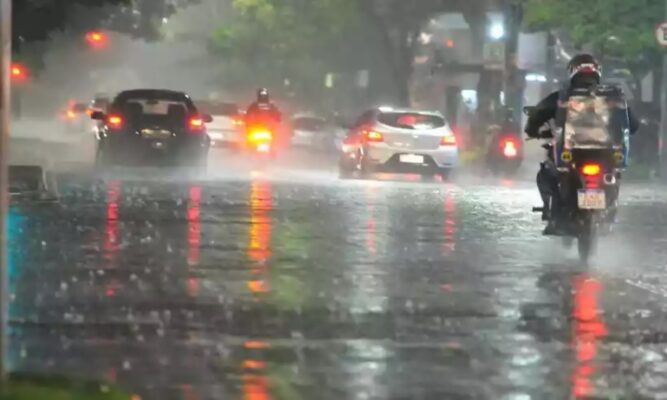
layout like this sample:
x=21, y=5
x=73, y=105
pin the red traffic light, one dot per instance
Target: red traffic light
x=97, y=39
x=18, y=72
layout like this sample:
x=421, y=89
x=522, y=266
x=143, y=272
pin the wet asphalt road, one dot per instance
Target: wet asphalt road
x=296, y=285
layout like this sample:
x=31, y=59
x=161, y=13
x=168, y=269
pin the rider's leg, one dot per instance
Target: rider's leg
x=545, y=186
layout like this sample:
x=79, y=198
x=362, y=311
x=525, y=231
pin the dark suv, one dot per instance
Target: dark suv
x=155, y=127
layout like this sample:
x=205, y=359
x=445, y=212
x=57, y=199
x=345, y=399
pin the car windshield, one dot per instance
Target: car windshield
x=332, y=200
x=410, y=120
x=309, y=124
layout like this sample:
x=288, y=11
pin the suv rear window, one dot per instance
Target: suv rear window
x=411, y=120
x=156, y=107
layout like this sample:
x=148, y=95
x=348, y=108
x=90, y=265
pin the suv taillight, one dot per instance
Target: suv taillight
x=196, y=124
x=115, y=121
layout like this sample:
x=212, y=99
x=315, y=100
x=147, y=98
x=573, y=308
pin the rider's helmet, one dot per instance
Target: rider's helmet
x=584, y=68
x=263, y=96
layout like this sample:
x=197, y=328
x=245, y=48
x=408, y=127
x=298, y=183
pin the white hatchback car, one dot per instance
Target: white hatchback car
x=399, y=141
x=227, y=128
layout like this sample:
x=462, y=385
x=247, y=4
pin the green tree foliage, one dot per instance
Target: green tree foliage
x=614, y=28
x=34, y=20
x=298, y=40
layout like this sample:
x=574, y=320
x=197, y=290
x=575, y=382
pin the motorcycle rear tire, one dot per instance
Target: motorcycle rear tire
x=588, y=238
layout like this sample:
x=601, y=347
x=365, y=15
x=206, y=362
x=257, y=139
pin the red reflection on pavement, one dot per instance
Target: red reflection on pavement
x=259, y=246
x=371, y=228
x=194, y=224
x=587, y=331
x=194, y=235
x=449, y=244
x=114, y=193
x=189, y=392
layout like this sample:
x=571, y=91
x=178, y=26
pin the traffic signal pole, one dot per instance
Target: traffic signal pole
x=5, y=106
x=662, y=169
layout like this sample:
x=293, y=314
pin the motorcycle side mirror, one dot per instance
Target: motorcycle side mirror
x=528, y=110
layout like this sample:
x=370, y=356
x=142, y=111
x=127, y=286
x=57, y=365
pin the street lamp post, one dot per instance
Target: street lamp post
x=5, y=79
x=663, y=106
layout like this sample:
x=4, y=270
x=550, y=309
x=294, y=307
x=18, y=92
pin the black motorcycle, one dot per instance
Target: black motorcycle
x=586, y=158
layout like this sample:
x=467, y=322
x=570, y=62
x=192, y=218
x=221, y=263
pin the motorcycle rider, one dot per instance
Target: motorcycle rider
x=263, y=110
x=584, y=73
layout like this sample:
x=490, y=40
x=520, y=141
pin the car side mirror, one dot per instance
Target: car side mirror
x=528, y=110
x=97, y=115
x=207, y=118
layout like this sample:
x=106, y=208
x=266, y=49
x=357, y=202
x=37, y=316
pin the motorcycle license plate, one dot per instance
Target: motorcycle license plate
x=591, y=199
x=157, y=145
x=411, y=159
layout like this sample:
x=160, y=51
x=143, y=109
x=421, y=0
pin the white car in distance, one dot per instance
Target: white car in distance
x=399, y=141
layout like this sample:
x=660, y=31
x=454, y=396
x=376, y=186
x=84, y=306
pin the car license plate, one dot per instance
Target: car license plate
x=591, y=199
x=411, y=159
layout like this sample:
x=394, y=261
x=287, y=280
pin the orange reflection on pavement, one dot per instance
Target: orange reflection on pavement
x=449, y=244
x=114, y=192
x=256, y=385
x=259, y=245
x=256, y=344
x=588, y=329
x=259, y=249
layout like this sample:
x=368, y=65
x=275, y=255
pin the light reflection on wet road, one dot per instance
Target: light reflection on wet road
x=271, y=289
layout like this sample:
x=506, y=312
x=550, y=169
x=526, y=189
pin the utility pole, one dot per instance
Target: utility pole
x=5, y=106
x=663, y=107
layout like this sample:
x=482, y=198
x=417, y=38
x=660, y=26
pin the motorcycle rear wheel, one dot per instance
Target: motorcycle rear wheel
x=588, y=239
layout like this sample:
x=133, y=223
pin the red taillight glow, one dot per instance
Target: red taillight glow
x=115, y=121
x=510, y=149
x=70, y=114
x=448, y=140
x=196, y=123
x=97, y=39
x=18, y=72
x=373, y=136
x=591, y=169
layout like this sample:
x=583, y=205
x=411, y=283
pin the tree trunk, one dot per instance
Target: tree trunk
x=398, y=40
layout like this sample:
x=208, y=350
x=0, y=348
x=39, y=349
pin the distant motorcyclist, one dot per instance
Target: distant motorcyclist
x=584, y=73
x=262, y=110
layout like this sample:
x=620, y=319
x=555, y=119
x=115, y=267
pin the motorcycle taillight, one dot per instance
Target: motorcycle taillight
x=592, y=174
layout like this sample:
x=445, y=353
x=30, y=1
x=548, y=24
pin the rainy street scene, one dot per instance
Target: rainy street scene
x=350, y=199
